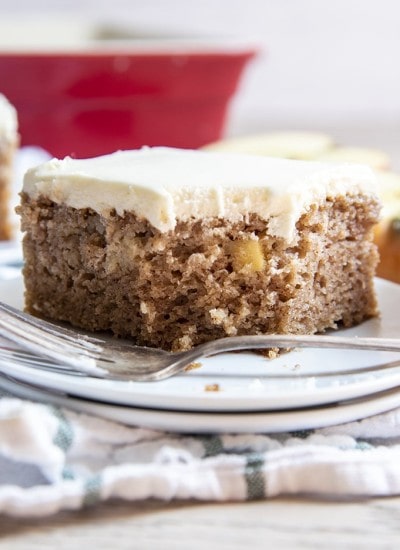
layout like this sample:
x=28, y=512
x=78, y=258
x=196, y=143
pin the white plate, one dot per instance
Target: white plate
x=201, y=422
x=243, y=379
x=11, y=253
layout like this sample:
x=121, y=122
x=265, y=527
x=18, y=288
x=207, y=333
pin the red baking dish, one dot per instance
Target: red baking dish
x=122, y=94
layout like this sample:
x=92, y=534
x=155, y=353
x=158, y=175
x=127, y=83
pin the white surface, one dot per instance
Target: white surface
x=165, y=185
x=245, y=385
x=64, y=35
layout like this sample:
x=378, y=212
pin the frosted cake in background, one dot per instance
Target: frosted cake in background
x=175, y=247
x=9, y=141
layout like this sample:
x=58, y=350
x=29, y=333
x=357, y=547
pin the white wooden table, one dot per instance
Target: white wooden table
x=276, y=524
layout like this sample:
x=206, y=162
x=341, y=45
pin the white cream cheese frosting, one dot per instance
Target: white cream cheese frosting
x=165, y=185
x=8, y=120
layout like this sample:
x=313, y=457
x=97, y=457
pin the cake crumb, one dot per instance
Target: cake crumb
x=212, y=387
x=273, y=353
x=193, y=366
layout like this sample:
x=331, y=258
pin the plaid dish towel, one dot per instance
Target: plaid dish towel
x=54, y=459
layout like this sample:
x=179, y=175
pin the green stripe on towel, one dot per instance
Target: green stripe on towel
x=92, y=490
x=65, y=433
x=254, y=475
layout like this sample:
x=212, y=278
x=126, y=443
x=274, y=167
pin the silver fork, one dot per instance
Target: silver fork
x=111, y=358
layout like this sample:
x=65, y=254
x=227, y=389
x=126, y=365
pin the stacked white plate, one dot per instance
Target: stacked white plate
x=235, y=392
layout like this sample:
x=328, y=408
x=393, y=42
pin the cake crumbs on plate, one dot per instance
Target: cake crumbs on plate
x=273, y=353
x=212, y=387
x=192, y=366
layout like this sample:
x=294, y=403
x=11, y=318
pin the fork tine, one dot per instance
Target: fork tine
x=88, y=342
x=62, y=354
x=26, y=358
x=10, y=328
x=44, y=339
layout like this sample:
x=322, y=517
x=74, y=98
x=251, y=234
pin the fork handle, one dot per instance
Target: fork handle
x=298, y=341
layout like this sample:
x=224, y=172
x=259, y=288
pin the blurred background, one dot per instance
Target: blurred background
x=323, y=65
x=321, y=62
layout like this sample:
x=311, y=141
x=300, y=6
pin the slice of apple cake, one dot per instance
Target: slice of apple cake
x=176, y=247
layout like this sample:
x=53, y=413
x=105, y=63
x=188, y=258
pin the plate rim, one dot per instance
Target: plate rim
x=209, y=423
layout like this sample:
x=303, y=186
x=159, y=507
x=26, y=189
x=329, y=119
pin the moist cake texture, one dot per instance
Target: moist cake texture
x=173, y=247
x=8, y=144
